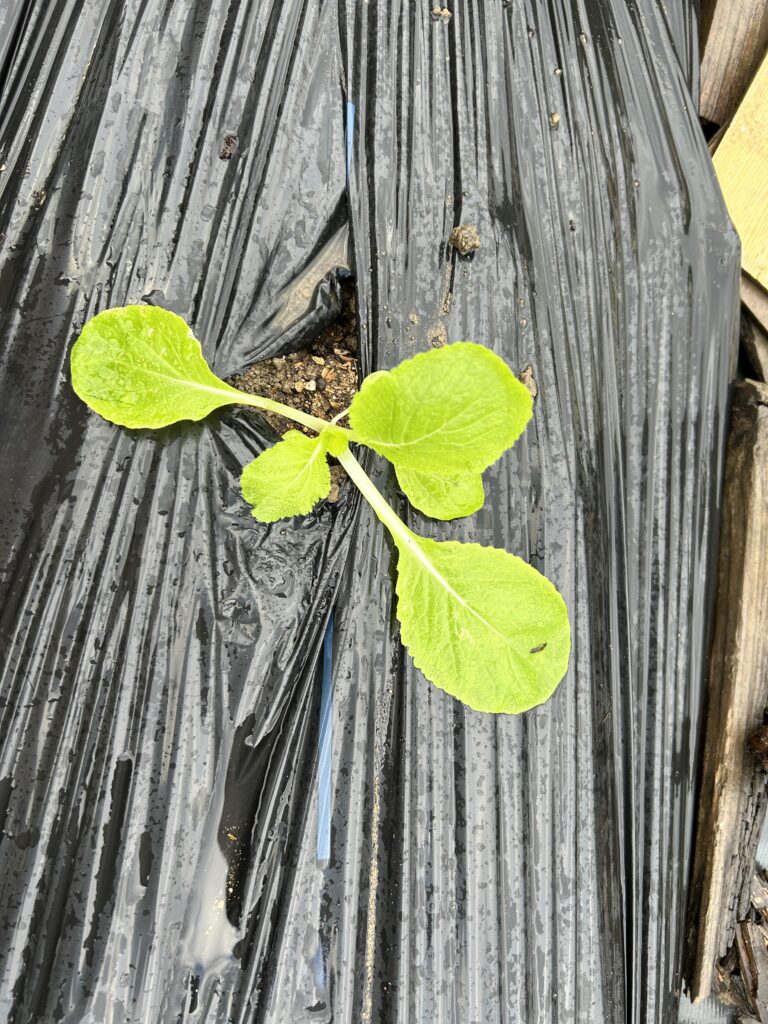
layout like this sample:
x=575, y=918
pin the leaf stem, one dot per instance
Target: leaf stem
x=375, y=498
x=305, y=418
x=404, y=538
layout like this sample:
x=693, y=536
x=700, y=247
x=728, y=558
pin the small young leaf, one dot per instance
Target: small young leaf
x=141, y=366
x=335, y=440
x=480, y=623
x=289, y=478
x=442, y=497
x=450, y=413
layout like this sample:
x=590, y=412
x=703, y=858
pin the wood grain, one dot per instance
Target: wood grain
x=755, y=299
x=741, y=163
x=733, y=785
x=735, y=38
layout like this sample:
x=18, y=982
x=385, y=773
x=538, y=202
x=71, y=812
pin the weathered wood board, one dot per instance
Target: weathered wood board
x=741, y=163
x=742, y=976
x=754, y=326
x=755, y=299
x=734, y=40
x=733, y=788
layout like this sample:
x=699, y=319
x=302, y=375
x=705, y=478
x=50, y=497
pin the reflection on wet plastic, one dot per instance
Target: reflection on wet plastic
x=301, y=293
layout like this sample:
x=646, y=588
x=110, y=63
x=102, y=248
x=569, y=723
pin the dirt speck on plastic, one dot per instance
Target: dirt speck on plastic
x=229, y=146
x=441, y=14
x=527, y=378
x=437, y=335
x=465, y=239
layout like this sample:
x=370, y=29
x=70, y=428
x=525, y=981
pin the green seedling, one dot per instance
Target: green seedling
x=480, y=623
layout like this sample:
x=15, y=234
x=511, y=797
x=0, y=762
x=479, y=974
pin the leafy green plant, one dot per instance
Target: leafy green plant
x=479, y=622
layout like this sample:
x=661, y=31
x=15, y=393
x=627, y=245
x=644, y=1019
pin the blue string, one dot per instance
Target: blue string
x=326, y=697
x=324, y=751
x=350, y=134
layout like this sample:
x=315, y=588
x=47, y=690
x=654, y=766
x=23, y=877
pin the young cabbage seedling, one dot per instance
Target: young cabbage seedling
x=479, y=622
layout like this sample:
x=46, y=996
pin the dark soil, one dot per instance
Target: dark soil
x=320, y=380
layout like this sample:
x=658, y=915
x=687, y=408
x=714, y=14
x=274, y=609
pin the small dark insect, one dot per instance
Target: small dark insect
x=229, y=147
x=539, y=649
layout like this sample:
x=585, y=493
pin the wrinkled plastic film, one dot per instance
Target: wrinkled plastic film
x=587, y=244
x=160, y=684
x=195, y=826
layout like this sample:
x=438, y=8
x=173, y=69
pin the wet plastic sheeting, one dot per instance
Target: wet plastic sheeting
x=161, y=760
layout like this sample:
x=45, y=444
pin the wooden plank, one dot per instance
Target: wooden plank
x=755, y=299
x=742, y=976
x=733, y=790
x=754, y=341
x=741, y=163
x=754, y=325
x=753, y=967
x=757, y=944
x=734, y=38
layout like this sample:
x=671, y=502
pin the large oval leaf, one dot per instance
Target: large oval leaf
x=141, y=366
x=446, y=414
x=480, y=623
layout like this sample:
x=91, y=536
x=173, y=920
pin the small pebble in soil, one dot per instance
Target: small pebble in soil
x=465, y=239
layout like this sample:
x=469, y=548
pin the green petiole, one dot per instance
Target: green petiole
x=304, y=418
x=384, y=511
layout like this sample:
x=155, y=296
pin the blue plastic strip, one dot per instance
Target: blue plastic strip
x=318, y=971
x=350, y=135
x=326, y=697
x=324, y=750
